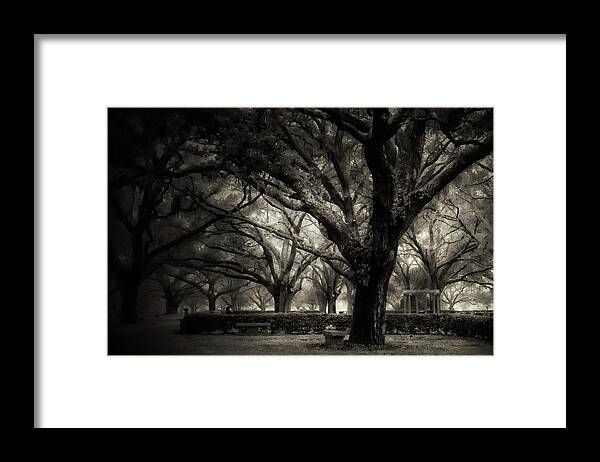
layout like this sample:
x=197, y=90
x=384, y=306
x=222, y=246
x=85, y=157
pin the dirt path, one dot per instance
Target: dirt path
x=161, y=337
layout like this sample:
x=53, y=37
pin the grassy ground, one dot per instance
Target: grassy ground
x=161, y=337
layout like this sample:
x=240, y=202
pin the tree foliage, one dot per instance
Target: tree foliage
x=369, y=199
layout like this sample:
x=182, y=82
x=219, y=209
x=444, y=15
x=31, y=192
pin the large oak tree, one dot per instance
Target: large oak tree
x=304, y=159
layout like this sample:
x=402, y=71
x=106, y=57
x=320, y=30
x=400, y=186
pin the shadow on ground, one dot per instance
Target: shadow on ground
x=161, y=337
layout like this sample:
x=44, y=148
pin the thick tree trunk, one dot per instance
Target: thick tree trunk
x=322, y=300
x=331, y=304
x=373, y=277
x=282, y=300
x=212, y=303
x=132, y=278
x=129, y=292
x=368, y=318
x=374, y=268
x=350, y=294
x=287, y=305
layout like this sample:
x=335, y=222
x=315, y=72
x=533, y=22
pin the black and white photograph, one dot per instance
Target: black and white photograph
x=300, y=231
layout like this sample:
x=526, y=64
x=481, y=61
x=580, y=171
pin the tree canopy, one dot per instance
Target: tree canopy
x=296, y=199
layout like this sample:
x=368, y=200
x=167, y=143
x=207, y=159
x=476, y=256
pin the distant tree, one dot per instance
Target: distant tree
x=240, y=250
x=211, y=285
x=483, y=298
x=152, y=208
x=452, y=237
x=174, y=291
x=237, y=298
x=259, y=296
x=328, y=284
x=455, y=294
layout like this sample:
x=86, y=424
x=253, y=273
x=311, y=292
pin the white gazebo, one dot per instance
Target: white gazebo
x=433, y=303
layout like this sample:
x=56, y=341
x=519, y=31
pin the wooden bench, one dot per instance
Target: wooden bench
x=253, y=327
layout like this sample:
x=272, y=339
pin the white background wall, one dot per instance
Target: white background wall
x=523, y=384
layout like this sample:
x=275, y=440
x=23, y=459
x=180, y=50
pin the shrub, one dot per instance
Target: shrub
x=305, y=323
